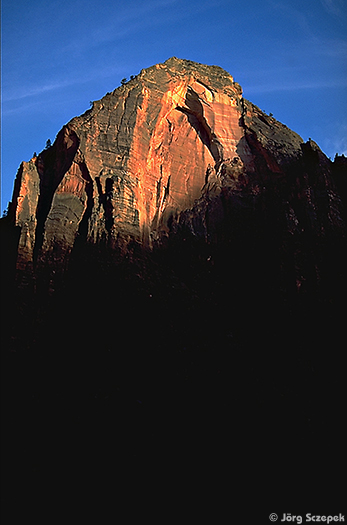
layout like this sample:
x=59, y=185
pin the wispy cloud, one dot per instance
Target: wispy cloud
x=127, y=21
x=334, y=7
x=24, y=92
x=296, y=17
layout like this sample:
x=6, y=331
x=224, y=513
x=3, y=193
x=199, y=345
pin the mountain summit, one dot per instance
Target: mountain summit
x=150, y=150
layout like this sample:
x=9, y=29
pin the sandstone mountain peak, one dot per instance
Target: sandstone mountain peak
x=183, y=67
x=154, y=154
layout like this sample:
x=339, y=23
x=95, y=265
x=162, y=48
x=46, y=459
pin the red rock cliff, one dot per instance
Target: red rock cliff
x=151, y=149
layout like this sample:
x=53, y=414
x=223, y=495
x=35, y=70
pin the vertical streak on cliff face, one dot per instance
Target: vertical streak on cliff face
x=67, y=217
x=108, y=204
x=23, y=208
x=52, y=165
x=137, y=156
x=84, y=223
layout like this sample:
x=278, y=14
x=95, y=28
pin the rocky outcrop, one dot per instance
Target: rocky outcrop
x=178, y=151
x=142, y=154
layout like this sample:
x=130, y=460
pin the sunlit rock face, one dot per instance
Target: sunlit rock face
x=139, y=155
x=175, y=147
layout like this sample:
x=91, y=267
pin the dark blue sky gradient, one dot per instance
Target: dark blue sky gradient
x=289, y=56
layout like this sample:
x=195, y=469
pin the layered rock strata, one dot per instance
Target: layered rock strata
x=178, y=144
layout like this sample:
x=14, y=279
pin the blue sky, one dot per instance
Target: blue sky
x=289, y=56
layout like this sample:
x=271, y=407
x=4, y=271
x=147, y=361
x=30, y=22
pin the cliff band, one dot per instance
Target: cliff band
x=146, y=151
